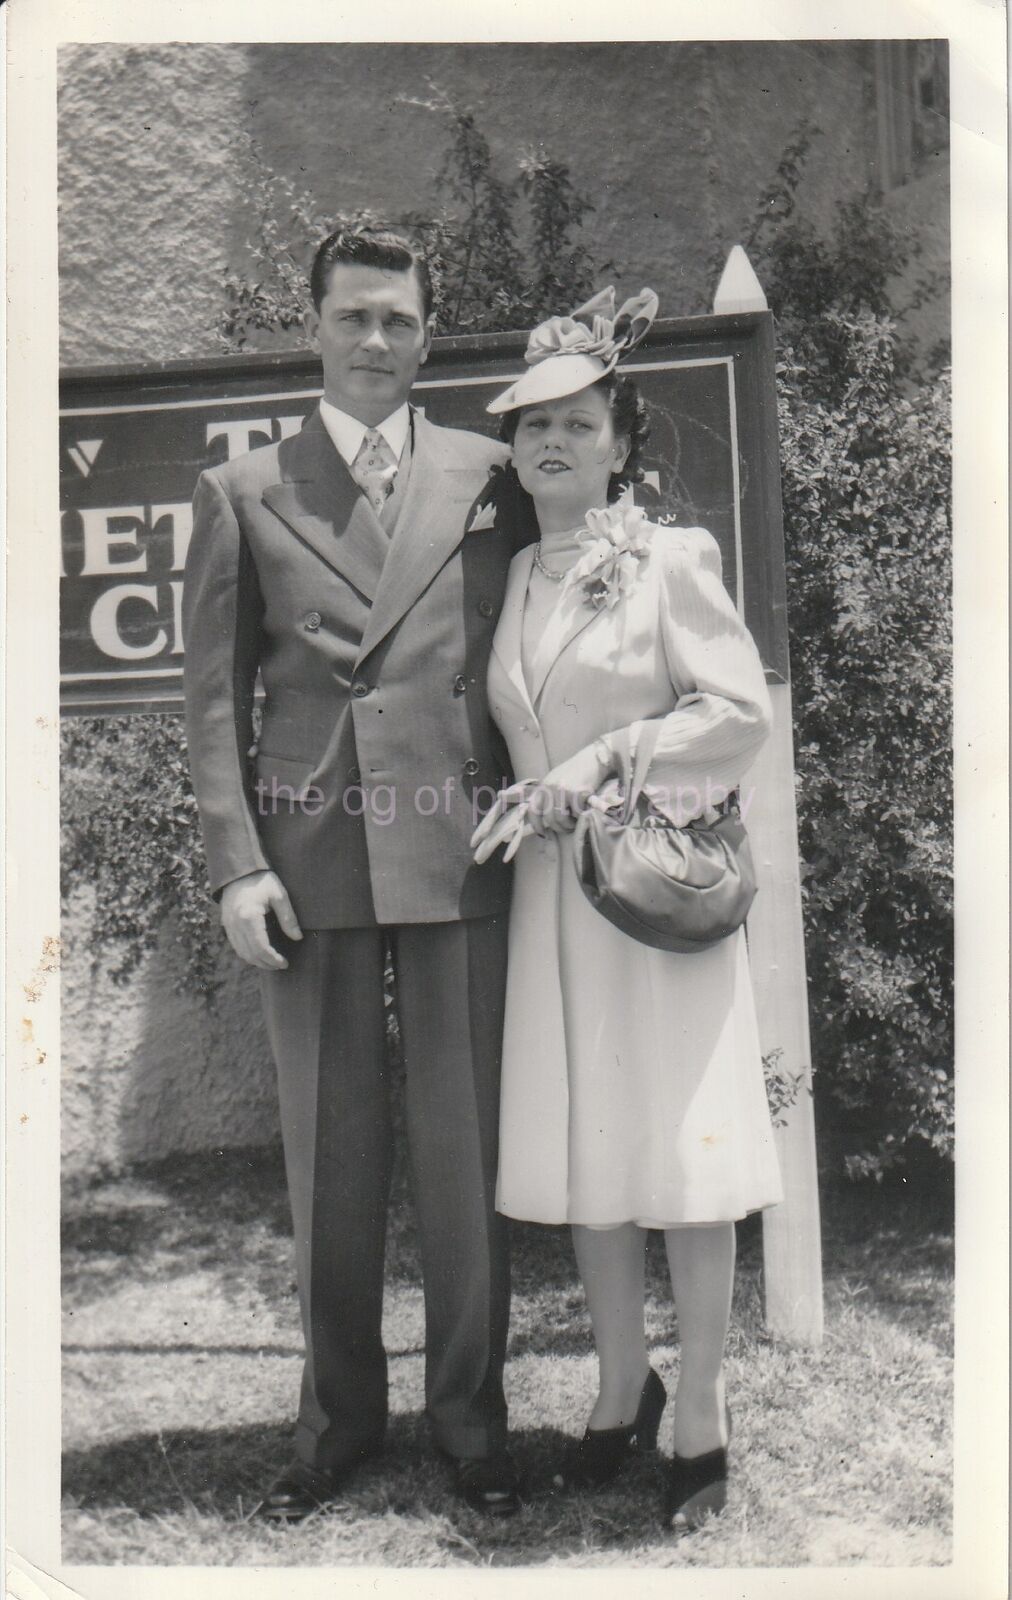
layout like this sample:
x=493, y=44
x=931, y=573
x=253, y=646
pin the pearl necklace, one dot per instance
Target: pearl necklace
x=546, y=572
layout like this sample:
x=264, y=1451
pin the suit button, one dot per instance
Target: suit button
x=312, y=622
x=470, y=766
x=486, y=608
x=460, y=684
x=359, y=689
x=354, y=776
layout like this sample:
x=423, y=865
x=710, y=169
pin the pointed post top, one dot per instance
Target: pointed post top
x=739, y=289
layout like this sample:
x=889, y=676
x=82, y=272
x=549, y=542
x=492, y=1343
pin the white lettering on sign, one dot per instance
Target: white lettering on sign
x=101, y=535
x=240, y=436
x=177, y=617
x=105, y=622
x=181, y=516
x=83, y=454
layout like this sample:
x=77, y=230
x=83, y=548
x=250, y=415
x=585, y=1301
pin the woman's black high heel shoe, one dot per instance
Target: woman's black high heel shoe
x=697, y=1487
x=603, y=1452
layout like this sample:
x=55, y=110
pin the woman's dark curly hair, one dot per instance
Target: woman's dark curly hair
x=629, y=418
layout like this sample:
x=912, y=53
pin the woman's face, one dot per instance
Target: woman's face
x=565, y=452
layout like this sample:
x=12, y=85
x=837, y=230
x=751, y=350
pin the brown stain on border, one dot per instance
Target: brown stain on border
x=50, y=962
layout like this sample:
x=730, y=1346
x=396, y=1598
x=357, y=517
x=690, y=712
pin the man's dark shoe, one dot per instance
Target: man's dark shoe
x=300, y=1491
x=487, y=1483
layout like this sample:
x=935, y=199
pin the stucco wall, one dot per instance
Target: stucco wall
x=921, y=210
x=148, y=183
x=146, y=1071
x=672, y=142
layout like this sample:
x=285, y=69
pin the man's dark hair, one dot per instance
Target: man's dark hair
x=369, y=247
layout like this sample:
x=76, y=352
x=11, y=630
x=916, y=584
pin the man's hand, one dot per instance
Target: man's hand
x=244, y=906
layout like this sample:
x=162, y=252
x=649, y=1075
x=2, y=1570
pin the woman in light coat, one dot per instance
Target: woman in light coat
x=633, y=1093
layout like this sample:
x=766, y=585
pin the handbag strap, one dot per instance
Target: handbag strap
x=633, y=773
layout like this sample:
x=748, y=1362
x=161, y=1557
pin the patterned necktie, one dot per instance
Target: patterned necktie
x=374, y=469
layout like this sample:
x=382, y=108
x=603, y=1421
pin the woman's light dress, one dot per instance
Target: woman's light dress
x=632, y=1082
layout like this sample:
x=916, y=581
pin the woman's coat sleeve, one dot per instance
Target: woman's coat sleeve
x=722, y=714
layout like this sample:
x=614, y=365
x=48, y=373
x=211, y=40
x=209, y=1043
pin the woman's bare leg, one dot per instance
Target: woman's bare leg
x=701, y=1261
x=612, y=1266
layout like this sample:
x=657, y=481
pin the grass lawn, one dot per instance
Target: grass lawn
x=183, y=1354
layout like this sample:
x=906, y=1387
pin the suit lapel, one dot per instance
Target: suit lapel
x=430, y=526
x=321, y=503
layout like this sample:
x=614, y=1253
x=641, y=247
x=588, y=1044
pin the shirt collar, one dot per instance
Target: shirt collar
x=347, y=432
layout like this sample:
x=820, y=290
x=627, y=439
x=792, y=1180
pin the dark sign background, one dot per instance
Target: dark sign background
x=133, y=442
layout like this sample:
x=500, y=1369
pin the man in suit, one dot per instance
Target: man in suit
x=342, y=565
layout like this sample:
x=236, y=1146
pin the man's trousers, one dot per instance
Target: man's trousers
x=325, y=1017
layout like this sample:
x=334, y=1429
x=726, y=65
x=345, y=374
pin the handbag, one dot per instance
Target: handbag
x=674, y=888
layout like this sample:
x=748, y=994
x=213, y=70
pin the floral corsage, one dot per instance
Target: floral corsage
x=618, y=544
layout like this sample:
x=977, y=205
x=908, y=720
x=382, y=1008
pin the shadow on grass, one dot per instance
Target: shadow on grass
x=224, y=1210
x=220, y=1474
x=227, y=1211
x=159, y=1473
x=893, y=1243
x=220, y=1210
x=226, y=1214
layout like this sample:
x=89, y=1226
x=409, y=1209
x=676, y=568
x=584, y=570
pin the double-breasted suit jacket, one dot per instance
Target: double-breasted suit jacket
x=376, y=747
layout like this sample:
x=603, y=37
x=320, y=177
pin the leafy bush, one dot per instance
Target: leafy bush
x=866, y=488
x=131, y=832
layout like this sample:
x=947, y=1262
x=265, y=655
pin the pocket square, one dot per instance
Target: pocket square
x=484, y=517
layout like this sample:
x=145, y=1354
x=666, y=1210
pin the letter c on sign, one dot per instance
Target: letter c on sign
x=105, y=622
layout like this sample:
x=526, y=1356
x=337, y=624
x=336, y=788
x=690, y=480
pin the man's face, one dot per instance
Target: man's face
x=373, y=336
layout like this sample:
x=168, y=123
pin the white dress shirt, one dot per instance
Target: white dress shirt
x=347, y=432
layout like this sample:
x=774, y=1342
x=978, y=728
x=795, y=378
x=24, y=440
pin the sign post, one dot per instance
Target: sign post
x=792, y=1246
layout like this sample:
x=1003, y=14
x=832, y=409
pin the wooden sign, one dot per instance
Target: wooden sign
x=133, y=441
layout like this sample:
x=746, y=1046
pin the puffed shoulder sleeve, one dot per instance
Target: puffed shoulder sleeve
x=722, y=713
x=222, y=611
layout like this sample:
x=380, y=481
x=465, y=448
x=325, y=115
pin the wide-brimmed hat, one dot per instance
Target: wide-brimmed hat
x=565, y=354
